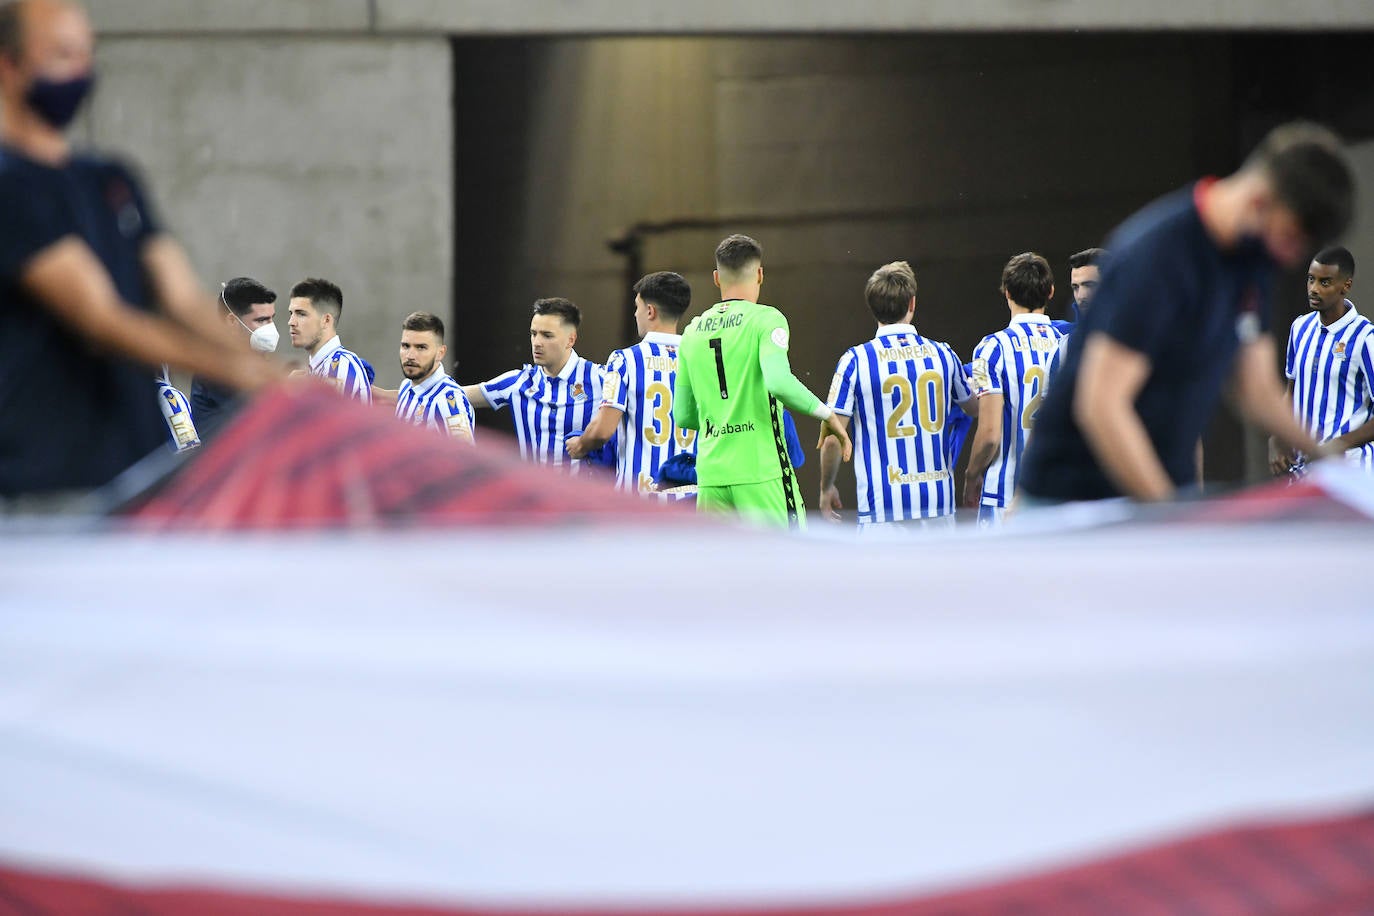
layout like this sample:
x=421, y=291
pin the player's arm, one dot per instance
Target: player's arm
x=685, y=413
x=1357, y=437
x=1110, y=379
x=178, y=291
x=387, y=395
x=453, y=418
x=987, y=445
x=1257, y=397
x=1281, y=459
x=787, y=388
x=598, y=432
x=831, y=455
x=68, y=279
x=476, y=396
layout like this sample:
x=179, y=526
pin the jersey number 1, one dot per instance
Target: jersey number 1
x=720, y=368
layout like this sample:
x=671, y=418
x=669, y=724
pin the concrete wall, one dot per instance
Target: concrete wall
x=284, y=157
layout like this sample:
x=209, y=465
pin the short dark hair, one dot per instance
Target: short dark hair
x=424, y=321
x=1311, y=176
x=1028, y=280
x=323, y=295
x=1088, y=257
x=12, y=29
x=563, y=308
x=889, y=291
x=736, y=252
x=242, y=293
x=669, y=291
x=1339, y=258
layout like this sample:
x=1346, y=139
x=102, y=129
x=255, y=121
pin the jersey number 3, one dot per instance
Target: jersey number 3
x=661, y=429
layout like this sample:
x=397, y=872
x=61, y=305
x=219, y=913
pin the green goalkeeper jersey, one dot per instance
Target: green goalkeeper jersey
x=733, y=379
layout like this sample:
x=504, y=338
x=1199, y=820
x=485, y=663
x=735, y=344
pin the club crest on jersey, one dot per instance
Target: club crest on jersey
x=1339, y=349
x=578, y=392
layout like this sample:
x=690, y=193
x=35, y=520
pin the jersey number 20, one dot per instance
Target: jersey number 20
x=928, y=397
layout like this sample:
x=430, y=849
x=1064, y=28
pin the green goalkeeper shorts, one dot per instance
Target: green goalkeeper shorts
x=775, y=503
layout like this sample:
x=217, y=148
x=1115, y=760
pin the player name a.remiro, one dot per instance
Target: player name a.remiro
x=660, y=363
x=902, y=354
x=897, y=475
x=719, y=322
x=1041, y=344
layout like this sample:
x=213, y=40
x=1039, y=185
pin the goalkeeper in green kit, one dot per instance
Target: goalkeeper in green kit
x=733, y=380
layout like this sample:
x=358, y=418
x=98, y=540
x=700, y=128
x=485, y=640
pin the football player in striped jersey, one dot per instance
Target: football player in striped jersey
x=637, y=409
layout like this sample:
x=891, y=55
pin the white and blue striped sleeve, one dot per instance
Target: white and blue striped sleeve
x=987, y=366
x=596, y=377
x=1290, y=367
x=356, y=384
x=1366, y=357
x=615, y=385
x=501, y=389
x=452, y=413
x=842, y=393
x=176, y=410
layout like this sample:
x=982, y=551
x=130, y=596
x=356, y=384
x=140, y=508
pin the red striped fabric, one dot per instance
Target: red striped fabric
x=300, y=455
x=1315, y=868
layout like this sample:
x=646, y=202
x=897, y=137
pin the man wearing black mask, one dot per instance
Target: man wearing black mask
x=94, y=297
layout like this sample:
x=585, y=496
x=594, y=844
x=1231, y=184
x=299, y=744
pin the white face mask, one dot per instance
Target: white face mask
x=264, y=339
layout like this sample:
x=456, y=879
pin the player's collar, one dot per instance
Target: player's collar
x=1350, y=315
x=663, y=337
x=566, y=372
x=431, y=380
x=885, y=329
x=1031, y=318
x=333, y=344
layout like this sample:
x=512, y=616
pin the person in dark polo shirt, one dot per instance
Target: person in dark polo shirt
x=1183, y=311
x=83, y=261
x=249, y=310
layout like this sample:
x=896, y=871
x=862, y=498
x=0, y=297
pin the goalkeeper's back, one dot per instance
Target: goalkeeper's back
x=740, y=429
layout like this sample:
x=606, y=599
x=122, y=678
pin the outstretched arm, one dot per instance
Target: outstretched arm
x=1110, y=378
x=987, y=445
x=831, y=450
x=597, y=433
x=476, y=396
x=685, y=412
x=74, y=286
x=1258, y=398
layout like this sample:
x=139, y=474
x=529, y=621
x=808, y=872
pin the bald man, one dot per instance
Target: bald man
x=94, y=297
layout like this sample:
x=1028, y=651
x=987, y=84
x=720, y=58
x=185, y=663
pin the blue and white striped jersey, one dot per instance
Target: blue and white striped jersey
x=437, y=402
x=898, y=388
x=639, y=384
x=546, y=409
x=1332, y=368
x=176, y=410
x=345, y=368
x=1016, y=363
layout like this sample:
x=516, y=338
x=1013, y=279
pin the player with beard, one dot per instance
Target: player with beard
x=429, y=397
